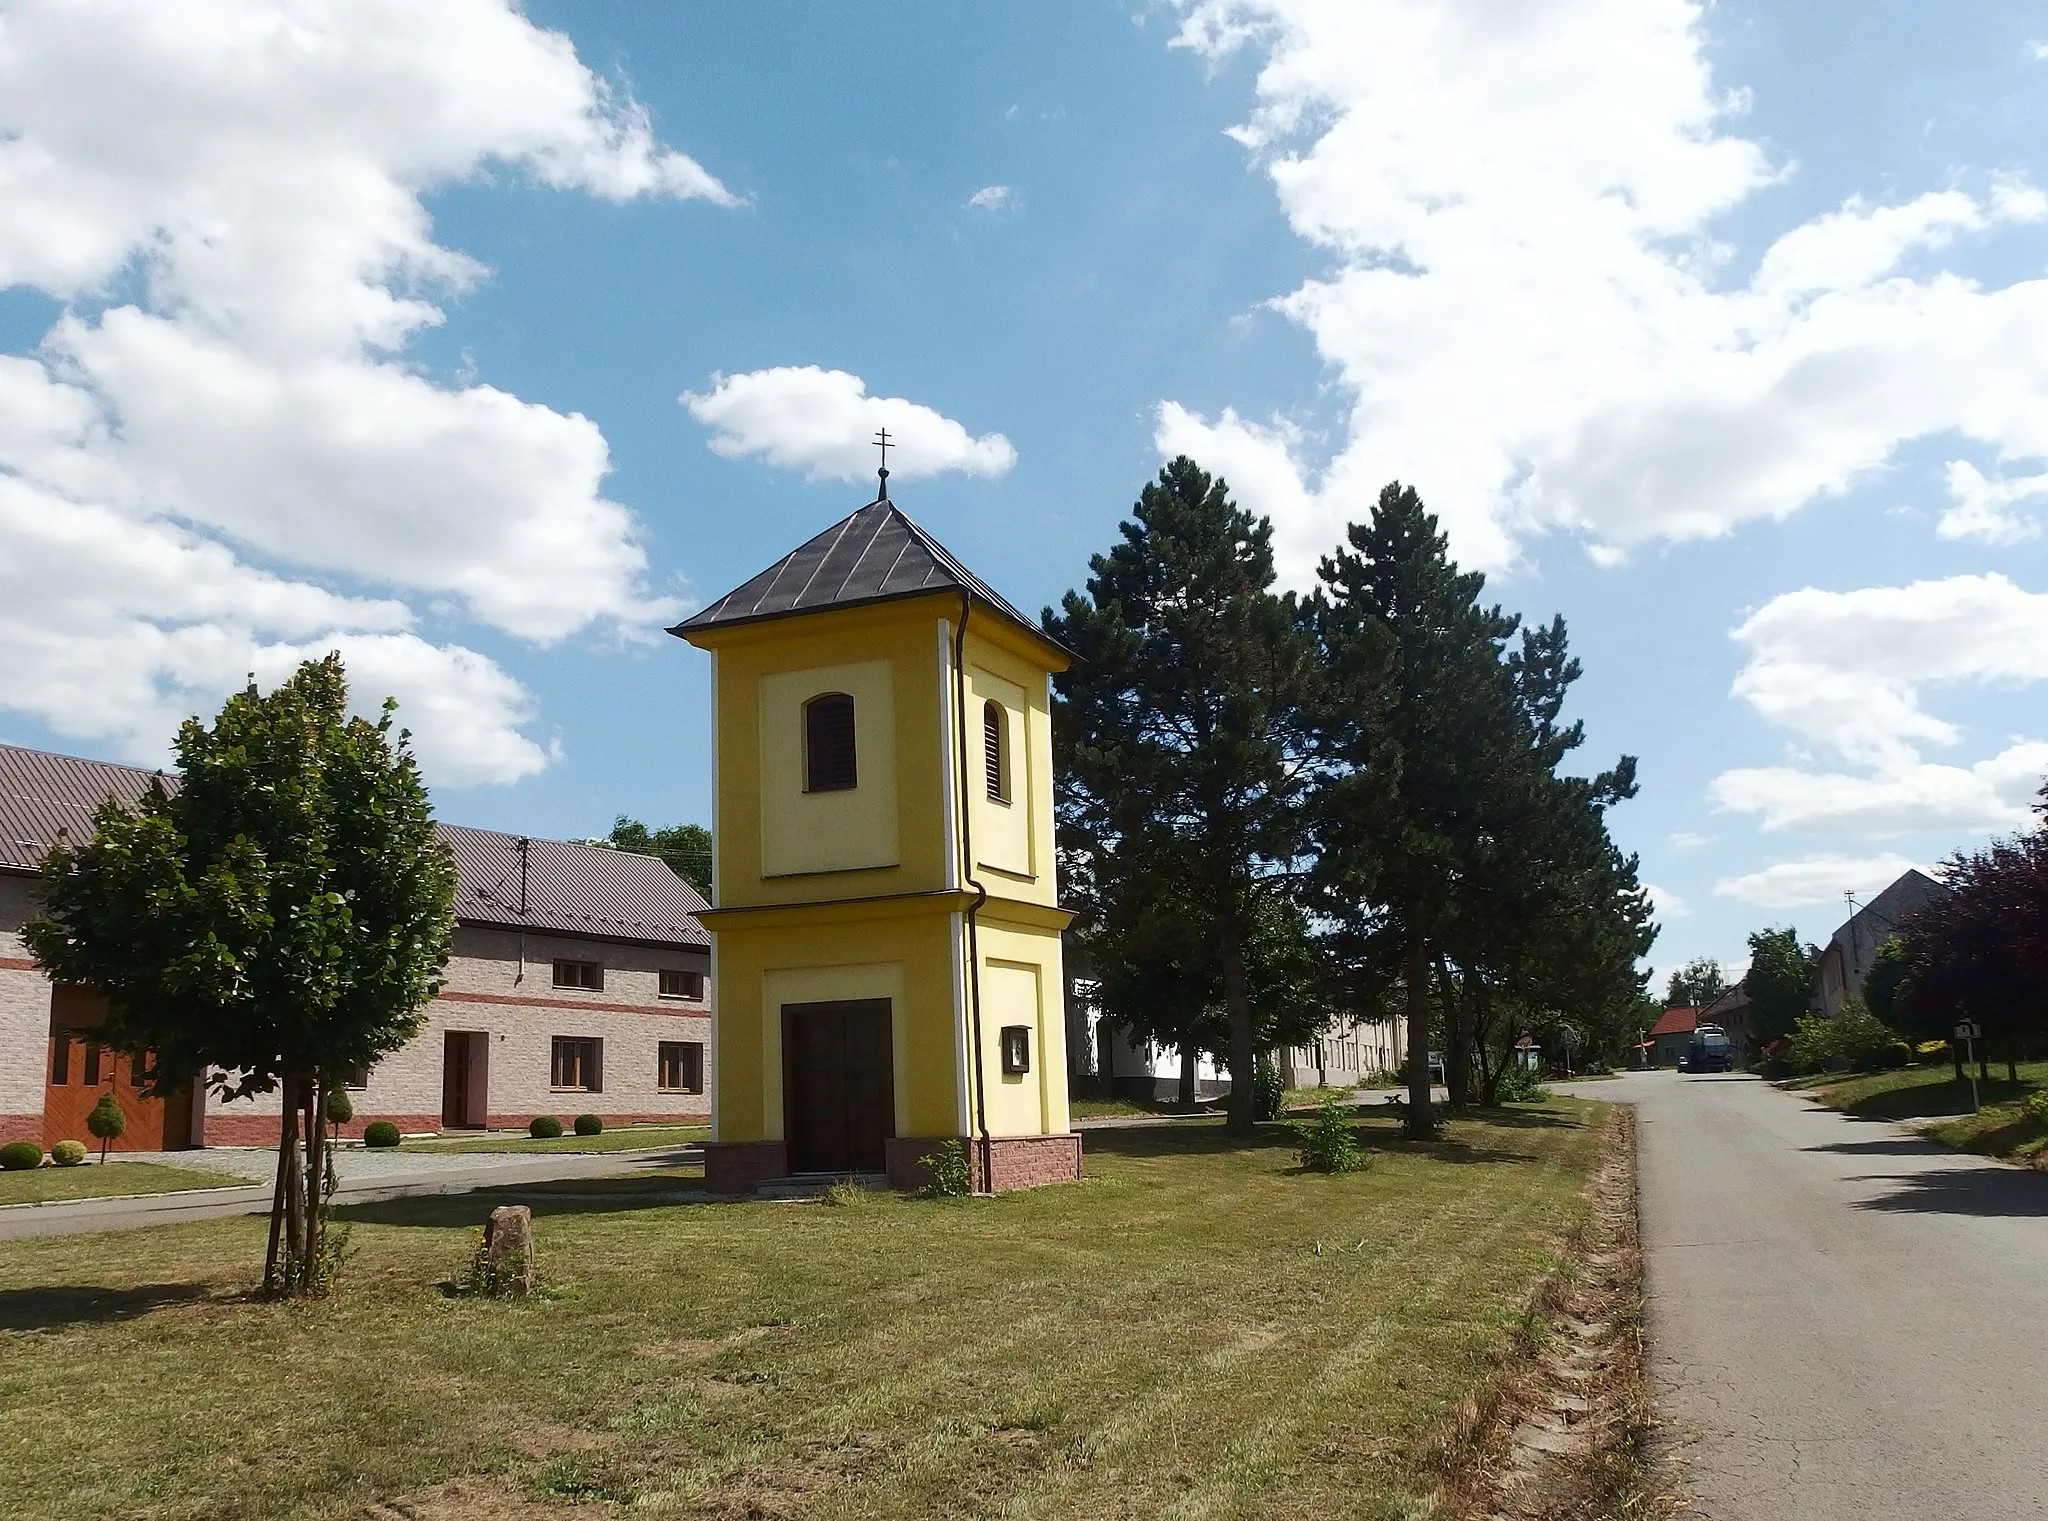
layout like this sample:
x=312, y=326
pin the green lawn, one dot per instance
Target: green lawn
x=625, y=1138
x=1938, y=1106
x=92, y=1181
x=1195, y=1330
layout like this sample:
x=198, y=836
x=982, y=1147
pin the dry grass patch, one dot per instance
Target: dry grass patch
x=1196, y=1330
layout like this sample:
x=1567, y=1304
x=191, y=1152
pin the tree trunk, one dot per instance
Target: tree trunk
x=1237, y=1003
x=316, y=1179
x=1421, y=1124
x=1190, y=1060
x=1458, y=1053
x=294, y=1190
x=272, y=1286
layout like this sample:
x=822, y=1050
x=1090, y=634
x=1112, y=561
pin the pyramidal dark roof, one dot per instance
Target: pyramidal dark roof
x=876, y=555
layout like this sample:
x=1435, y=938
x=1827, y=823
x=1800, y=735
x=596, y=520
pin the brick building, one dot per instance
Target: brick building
x=578, y=984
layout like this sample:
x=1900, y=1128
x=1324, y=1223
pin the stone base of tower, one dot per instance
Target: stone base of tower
x=1006, y=1162
x=740, y=1167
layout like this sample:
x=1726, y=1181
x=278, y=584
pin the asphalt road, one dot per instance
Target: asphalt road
x=458, y=1174
x=1845, y=1322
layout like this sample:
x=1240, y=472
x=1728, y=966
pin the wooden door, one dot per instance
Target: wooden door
x=455, y=1058
x=79, y=1071
x=838, y=1085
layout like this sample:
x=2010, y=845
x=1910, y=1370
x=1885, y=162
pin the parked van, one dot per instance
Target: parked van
x=1711, y=1051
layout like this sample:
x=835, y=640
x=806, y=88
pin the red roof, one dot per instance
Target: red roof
x=1675, y=1022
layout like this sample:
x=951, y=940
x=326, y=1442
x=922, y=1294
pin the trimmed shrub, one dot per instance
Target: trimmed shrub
x=1329, y=1142
x=1269, y=1089
x=106, y=1122
x=68, y=1153
x=380, y=1134
x=339, y=1108
x=20, y=1156
x=589, y=1124
x=544, y=1127
x=1894, y=1056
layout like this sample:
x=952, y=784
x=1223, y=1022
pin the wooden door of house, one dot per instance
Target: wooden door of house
x=838, y=1085
x=80, y=1070
x=457, y=1055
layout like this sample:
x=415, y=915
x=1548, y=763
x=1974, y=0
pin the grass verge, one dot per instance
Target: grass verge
x=625, y=1138
x=1938, y=1107
x=1196, y=1329
x=91, y=1180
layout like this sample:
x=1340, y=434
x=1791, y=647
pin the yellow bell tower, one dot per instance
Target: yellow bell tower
x=886, y=927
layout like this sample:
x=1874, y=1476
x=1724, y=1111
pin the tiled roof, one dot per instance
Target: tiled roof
x=1675, y=1022
x=876, y=555
x=585, y=889
x=581, y=889
x=41, y=793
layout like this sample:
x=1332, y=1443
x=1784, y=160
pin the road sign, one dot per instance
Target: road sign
x=1969, y=1029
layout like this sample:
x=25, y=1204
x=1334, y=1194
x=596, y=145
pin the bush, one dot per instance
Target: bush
x=545, y=1127
x=68, y=1153
x=380, y=1133
x=339, y=1108
x=1329, y=1142
x=589, y=1124
x=1519, y=1085
x=2037, y=1108
x=1269, y=1092
x=106, y=1122
x=1854, y=1038
x=951, y=1176
x=20, y=1156
x=1894, y=1056
x=1932, y=1052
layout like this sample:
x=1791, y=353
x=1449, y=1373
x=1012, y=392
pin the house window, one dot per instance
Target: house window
x=680, y=1068
x=828, y=744
x=680, y=984
x=357, y=1078
x=995, y=746
x=580, y=974
x=578, y=1065
x=92, y=1064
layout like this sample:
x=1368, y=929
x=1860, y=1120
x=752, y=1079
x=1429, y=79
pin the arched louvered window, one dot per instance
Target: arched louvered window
x=828, y=744
x=995, y=745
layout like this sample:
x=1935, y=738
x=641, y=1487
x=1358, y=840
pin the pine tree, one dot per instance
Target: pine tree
x=1423, y=736
x=1183, y=732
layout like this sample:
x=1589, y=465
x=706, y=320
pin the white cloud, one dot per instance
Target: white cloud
x=1993, y=795
x=1815, y=880
x=823, y=422
x=1846, y=669
x=993, y=198
x=1846, y=672
x=1982, y=507
x=1667, y=903
x=1528, y=313
x=1686, y=840
x=228, y=196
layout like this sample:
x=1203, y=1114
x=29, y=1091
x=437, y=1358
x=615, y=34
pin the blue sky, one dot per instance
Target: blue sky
x=1689, y=322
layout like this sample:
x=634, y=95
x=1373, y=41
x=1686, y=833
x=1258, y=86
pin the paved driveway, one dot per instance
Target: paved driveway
x=365, y=1177
x=1846, y=1322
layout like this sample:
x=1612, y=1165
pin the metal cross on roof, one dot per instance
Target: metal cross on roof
x=882, y=438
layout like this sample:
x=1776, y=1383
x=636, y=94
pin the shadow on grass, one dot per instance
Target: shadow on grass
x=1988, y=1191
x=1927, y=1101
x=53, y=1308
x=1380, y=1134
x=597, y=1196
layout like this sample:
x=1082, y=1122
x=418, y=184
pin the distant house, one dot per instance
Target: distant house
x=1671, y=1035
x=1731, y=1012
x=1851, y=951
x=1108, y=1062
x=579, y=983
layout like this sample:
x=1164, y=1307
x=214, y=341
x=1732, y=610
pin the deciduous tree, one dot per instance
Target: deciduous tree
x=685, y=847
x=277, y=918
